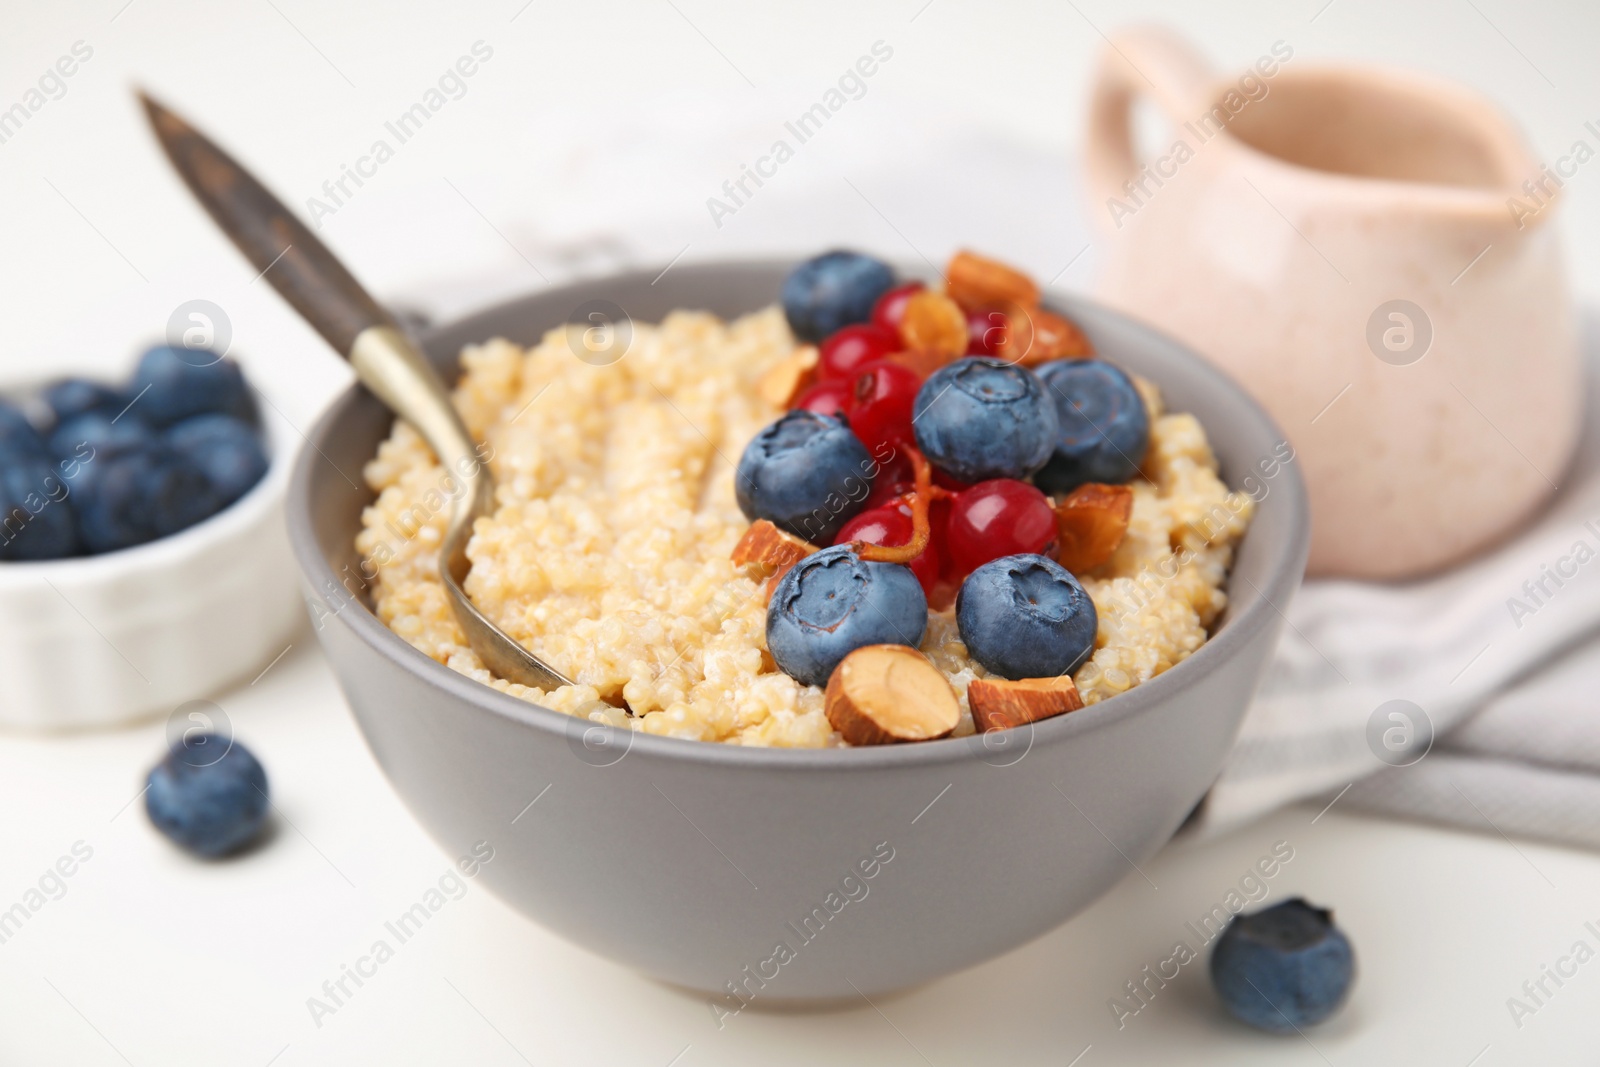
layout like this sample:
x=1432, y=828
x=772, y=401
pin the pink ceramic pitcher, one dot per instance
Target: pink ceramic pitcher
x=1359, y=248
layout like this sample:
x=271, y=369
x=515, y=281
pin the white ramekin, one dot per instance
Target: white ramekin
x=103, y=640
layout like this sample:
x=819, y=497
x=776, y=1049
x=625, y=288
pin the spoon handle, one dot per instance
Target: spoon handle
x=328, y=297
x=325, y=294
x=277, y=243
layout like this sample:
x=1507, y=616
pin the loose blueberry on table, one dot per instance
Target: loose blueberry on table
x=924, y=440
x=103, y=467
x=1283, y=968
x=208, y=796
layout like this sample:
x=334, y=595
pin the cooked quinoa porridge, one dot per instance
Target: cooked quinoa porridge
x=608, y=553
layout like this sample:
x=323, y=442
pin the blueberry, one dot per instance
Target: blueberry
x=229, y=451
x=1105, y=428
x=126, y=498
x=78, y=396
x=36, y=522
x=834, y=290
x=208, y=804
x=17, y=435
x=1283, y=968
x=171, y=384
x=84, y=446
x=834, y=602
x=1026, y=616
x=100, y=432
x=806, y=473
x=982, y=418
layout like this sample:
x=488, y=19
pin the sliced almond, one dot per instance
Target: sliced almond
x=772, y=582
x=935, y=324
x=976, y=282
x=999, y=705
x=881, y=694
x=789, y=377
x=1090, y=524
x=1059, y=337
x=1034, y=335
x=766, y=550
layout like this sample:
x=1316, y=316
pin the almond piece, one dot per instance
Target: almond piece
x=788, y=378
x=1034, y=335
x=766, y=550
x=1059, y=337
x=999, y=705
x=881, y=694
x=935, y=324
x=976, y=282
x=1090, y=524
x=772, y=582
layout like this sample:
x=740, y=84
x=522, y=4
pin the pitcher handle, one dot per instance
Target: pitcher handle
x=1146, y=60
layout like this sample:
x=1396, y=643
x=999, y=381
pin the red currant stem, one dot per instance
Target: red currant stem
x=919, y=497
x=935, y=492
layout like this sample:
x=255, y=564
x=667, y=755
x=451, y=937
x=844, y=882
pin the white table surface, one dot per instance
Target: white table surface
x=159, y=959
x=590, y=123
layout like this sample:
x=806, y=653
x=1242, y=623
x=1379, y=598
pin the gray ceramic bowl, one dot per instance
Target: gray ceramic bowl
x=794, y=876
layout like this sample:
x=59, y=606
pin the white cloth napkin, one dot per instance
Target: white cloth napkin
x=1502, y=673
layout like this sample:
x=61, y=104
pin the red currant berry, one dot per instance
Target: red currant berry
x=880, y=405
x=945, y=481
x=844, y=353
x=892, y=526
x=1000, y=517
x=826, y=398
x=985, y=331
x=894, y=478
x=939, y=536
x=891, y=306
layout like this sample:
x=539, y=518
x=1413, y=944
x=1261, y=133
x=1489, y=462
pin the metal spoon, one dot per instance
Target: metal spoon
x=328, y=297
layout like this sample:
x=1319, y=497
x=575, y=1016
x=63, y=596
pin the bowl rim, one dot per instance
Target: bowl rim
x=257, y=503
x=1284, y=569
